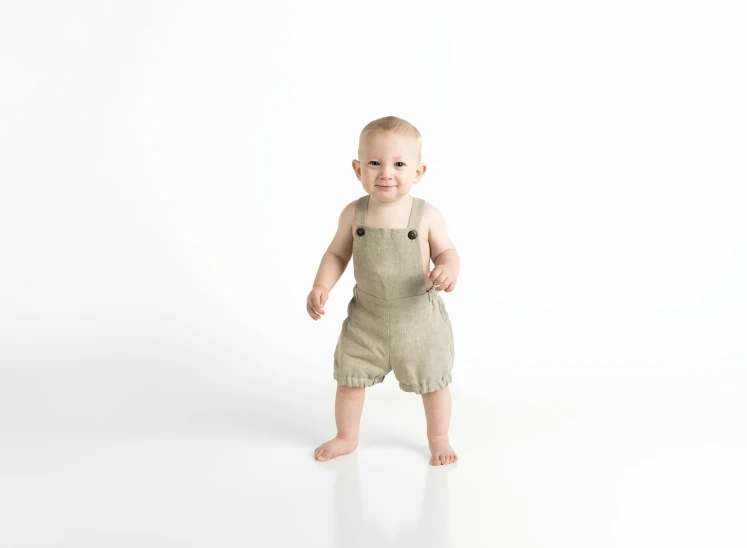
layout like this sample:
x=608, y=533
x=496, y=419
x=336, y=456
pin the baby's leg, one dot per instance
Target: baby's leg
x=438, y=415
x=348, y=409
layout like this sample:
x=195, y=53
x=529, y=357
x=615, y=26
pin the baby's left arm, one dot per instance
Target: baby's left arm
x=444, y=254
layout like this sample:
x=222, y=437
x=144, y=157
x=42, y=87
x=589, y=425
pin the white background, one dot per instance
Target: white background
x=172, y=173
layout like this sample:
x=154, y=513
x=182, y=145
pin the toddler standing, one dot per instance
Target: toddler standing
x=396, y=320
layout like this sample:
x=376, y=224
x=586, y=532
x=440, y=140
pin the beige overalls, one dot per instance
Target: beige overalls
x=393, y=322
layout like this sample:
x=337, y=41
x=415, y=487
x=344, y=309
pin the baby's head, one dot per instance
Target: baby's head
x=389, y=152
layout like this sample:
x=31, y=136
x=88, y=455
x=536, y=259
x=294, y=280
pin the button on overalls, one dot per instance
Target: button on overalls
x=396, y=319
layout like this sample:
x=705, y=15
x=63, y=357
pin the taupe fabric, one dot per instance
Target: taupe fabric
x=396, y=321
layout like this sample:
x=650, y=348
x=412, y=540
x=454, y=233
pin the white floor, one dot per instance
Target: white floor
x=644, y=459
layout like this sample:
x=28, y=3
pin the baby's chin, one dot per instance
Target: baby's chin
x=387, y=197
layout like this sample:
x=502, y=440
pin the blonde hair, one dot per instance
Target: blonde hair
x=391, y=124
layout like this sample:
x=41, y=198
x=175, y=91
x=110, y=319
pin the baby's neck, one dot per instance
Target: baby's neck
x=405, y=202
x=389, y=214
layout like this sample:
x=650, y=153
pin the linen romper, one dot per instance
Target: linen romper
x=394, y=321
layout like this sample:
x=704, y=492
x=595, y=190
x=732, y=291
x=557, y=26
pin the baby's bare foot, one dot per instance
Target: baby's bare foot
x=441, y=451
x=334, y=448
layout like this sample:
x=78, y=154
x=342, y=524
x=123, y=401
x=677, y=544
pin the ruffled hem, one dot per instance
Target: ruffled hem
x=429, y=386
x=356, y=382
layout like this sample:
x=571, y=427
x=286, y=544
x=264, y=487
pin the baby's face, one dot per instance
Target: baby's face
x=388, y=165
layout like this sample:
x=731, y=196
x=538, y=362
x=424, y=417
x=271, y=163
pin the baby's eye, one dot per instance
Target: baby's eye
x=395, y=163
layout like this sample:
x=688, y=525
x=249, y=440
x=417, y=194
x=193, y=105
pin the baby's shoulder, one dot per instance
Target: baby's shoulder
x=431, y=213
x=347, y=215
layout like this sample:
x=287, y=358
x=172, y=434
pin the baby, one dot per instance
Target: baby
x=395, y=320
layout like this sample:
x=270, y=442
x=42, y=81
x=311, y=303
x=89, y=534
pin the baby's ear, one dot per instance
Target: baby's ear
x=356, y=169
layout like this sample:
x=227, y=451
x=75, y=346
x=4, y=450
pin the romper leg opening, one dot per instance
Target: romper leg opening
x=427, y=386
x=357, y=382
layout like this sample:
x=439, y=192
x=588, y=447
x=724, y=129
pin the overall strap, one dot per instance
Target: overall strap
x=416, y=213
x=361, y=210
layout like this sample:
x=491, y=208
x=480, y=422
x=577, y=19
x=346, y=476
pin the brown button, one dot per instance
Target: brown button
x=412, y=234
x=361, y=231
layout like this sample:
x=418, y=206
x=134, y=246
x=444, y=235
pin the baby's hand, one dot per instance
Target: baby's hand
x=315, y=301
x=444, y=278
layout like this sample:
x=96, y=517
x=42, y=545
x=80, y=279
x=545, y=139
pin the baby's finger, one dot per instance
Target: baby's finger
x=318, y=305
x=312, y=313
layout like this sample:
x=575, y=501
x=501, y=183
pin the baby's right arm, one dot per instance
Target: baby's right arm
x=334, y=262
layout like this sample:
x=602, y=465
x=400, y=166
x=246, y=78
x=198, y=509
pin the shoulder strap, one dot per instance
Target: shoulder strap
x=416, y=213
x=361, y=210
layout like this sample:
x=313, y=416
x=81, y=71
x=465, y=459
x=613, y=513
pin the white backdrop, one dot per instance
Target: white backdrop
x=172, y=174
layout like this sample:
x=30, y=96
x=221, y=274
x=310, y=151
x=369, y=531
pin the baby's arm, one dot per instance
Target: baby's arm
x=443, y=252
x=334, y=262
